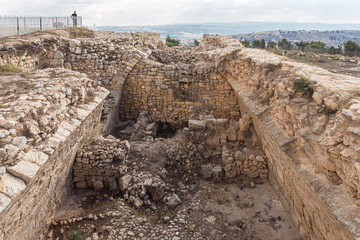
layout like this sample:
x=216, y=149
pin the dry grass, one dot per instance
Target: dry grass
x=49, y=32
x=8, y=69
x=80, y=32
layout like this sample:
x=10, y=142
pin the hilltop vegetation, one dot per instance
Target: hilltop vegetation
x=330, y=38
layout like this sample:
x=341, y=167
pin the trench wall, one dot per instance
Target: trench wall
x=41, y=129
x=310, y=140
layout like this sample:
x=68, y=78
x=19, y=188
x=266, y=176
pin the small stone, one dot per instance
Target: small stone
x=277, y=225
x=173, y=201
x=3, y=154
x=124, y=182
x=206, y=171
x=19, y=142
x=138, y=203
x=252, y=184
x=131, y=233
x=97, y=185
x=4, y=133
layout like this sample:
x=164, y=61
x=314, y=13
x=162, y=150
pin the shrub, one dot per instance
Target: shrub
x=76, y=235
x=80, y=32
x=302, y=85
x=170, y=42
x=8, y=68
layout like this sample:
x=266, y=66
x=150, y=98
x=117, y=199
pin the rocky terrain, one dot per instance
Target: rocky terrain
x=118, y=136
x=157, y=199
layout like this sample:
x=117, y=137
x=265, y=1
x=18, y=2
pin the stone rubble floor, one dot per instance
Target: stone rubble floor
x=228, y=210
x=211, y=211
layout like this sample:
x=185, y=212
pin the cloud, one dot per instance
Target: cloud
x=152, y=12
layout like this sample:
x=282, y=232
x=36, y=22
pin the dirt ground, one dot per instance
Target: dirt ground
x=228, y=210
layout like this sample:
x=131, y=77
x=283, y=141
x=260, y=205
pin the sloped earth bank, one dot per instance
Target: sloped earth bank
x=233, y=209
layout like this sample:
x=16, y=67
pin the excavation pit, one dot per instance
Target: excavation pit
x=245, y=119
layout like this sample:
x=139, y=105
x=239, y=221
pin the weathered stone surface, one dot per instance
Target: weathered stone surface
x=217, y=173
x=138, y=202
x=19, y=142
x=173, y=201
x=98, y=185
x=24, y=170
x=206, y=171
x=10, y=185
x=4, y=201
x=35, y=156
x=11, y=150
x=3, y=154
x=156, y=191
x=4, y=133
x=124, y=182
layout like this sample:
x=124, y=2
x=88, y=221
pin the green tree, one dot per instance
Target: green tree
x=258, y=43
x=245, y=42
x=271, y=44
x=285, y=44
x=196, y=42
x=332, y=50
x=317, y=45
x=301, y=45
x=170, y=42
x=351, y=48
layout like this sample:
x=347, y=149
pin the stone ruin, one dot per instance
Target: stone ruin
x=235, y=108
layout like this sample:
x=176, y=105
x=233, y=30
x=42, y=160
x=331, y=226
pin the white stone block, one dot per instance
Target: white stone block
x=11, y=185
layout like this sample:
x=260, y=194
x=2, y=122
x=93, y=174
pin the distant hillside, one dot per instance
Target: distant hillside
x=330, y=38
x=188, y=32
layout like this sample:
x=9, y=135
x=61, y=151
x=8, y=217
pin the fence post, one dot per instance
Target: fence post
x=17, y=26
x=40, y=24
x=56, y=23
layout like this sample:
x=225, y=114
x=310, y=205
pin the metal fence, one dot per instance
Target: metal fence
x=12, y=25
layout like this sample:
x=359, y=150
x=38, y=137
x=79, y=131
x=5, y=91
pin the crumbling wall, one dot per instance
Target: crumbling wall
x=100, y=163
x=177, y=93
x=42, y=125
x=310, y=139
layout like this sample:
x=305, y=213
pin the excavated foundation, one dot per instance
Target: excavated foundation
x=243, y=139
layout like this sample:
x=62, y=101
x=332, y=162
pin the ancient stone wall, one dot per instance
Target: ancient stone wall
x=100, y=163
x=309, y=139
x=177, y=93
x=52, y=114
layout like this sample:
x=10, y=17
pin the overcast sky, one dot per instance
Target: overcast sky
x=159, y=12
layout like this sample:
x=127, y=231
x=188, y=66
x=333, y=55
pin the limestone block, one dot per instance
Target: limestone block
x=206, y=171
x=217, y=173
x=19, y=142
x=240, y=156
x=24, y=170
x=2, y=171
x=3, y=154
x=173, y=201
x=124, y=182
x=197, y=125
x=81, y=185
x=74, y=43
x=11, y=150
x=67, y=66
x=4, y=133
x=97, y=185
x=11, y=185
x=58, y=55
x=35, y=156
x=331, y=104
x=4, y=201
